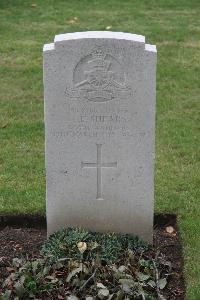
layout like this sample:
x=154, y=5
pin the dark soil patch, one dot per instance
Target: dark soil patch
x=17, y=239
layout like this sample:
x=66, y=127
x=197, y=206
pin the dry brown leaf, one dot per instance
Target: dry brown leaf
x=17, y=247
x=2, y=258
x=10, y=269
x=73, y=20
x=169, y=229
x=4, y=125
x=82, y=246
x=59, y=274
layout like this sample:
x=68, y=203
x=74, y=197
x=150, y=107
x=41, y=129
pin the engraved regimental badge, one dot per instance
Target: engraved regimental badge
x=98, y=77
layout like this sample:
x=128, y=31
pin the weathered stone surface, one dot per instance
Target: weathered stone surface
x=99, y=90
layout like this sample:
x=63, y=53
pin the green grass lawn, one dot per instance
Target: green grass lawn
x=174, y=26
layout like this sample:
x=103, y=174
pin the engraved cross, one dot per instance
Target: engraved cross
x=99, y=165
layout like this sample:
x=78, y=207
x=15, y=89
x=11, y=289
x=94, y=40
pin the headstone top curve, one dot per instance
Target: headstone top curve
x=151, y=48
x=48, y=47
x=99, y=35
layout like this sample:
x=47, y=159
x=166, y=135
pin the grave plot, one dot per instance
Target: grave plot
x=23, y=236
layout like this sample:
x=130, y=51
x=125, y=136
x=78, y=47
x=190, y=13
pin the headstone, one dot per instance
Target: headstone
x=99, y=90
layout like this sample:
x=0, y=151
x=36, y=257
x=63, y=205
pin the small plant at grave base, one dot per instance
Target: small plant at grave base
x=78, y=264
x=106, y=247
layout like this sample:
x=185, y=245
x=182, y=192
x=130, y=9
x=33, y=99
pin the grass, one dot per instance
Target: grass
x=174, y=26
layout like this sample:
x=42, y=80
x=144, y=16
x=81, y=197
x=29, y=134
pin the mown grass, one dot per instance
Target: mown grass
x=175, y=27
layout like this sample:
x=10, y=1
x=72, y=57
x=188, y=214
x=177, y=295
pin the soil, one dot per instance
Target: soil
x=24, y=235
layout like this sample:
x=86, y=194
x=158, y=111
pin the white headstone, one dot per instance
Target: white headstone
x=99, y=90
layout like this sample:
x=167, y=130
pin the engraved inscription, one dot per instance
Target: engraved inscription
x=99, y=165
x=98, y=77
x=92, y=122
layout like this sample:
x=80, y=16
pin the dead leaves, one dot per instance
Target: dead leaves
x=88, y=276
x=4, y=125
x=82, y=246
x=33, y=5
x=10, y=269
x=73, y=20
x=17, y=247
x=170, y=230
